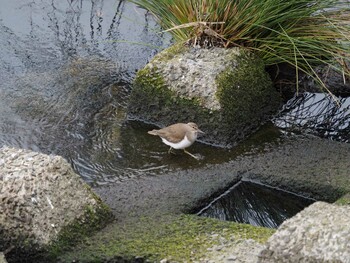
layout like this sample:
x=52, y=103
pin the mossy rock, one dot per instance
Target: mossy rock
x=233, y=102
x=344, y=200
x=94, y=219
x=46, y=207
x=182, y=238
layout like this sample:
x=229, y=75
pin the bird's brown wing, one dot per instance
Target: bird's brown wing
x=173, y=133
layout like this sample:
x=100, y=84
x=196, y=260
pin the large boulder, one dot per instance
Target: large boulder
x=320, y=233
x=227, y=92
x=43, y=203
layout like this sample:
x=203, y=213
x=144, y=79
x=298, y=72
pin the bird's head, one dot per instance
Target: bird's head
x=194, y=127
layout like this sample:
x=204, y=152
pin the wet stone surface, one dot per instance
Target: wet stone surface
x=320, y=233
x=40, y=194
x=66, y=67
x=309, y=166
x=241, y=251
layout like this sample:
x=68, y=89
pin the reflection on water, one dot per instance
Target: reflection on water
x=65, y=69
x=256, y=205
x=51, y=32
x=317, y=113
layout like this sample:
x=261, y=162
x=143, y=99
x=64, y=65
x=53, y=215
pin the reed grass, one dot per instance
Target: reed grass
x=301, y=33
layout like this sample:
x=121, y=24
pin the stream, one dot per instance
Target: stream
x=66, y=69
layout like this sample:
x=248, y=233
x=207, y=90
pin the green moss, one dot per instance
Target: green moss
x=344, y=200
x=151, y=98
x=92, y=220
x=246, y=93
x=170, y=52
x=182, y=238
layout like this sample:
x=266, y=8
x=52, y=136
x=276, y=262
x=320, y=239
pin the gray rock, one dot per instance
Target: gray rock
x=2, y=258
x=216, y=88
x=320, y=233
x=239, y=251
x=195, y=72
x=40, y=195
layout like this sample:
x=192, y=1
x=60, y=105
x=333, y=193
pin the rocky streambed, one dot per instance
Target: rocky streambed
x=64, y=92
x=152, y=212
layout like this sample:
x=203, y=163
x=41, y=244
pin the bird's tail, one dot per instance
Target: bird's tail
x=153, y=132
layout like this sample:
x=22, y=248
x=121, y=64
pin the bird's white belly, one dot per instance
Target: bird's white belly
x=180, y=145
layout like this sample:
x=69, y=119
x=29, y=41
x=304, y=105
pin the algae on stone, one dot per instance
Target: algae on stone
x=246, y=93
x=183, y=238
x=225, y=91
x=344, y=200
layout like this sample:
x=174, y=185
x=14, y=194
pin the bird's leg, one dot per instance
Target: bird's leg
x=169, y=151
x=195, y=157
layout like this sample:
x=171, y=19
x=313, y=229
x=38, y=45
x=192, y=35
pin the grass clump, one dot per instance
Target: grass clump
x=301, y=33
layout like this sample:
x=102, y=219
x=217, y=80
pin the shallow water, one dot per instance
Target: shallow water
x=255, y=204
x=66, y=69
x=317, y=113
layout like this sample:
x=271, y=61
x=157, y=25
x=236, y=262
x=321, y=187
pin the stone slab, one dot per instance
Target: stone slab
x=320, y=233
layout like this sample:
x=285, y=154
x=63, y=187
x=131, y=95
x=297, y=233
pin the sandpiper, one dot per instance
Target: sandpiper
x=179, y=136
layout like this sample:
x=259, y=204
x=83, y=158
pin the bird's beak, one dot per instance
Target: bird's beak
x=200, y=131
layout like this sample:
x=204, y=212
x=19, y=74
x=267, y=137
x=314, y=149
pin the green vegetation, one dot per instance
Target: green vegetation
x=79, y=231
x=239, y=90
x=344, y=200
x=301, y=33
x=92, y=220
x=237, y=93
x=183, y=238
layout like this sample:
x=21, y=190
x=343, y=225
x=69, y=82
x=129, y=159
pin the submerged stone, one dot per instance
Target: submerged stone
x=225, y=91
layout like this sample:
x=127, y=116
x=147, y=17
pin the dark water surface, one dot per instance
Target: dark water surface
x=255, y=204
x=65, y=70
x=317, y=113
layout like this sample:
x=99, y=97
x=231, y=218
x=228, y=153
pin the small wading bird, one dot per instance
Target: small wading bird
x=179, y=136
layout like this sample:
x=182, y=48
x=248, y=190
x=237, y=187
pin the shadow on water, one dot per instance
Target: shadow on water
x=255, y=204
x=120, y=151
x=318, y=114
